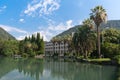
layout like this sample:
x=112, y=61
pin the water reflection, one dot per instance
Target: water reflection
x=47, y=69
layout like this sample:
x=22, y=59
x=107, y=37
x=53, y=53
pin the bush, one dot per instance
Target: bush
x=24, y=55
x=39, y=52
x=94, y=54
x=110, y=50
x=117, y=59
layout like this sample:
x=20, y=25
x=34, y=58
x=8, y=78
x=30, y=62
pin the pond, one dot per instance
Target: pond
x=51, y=69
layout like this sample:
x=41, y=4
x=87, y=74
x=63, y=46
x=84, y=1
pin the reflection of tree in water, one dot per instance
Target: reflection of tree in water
x=6, y=66
x=32, y=67
x=80, y=71
x=118, y=73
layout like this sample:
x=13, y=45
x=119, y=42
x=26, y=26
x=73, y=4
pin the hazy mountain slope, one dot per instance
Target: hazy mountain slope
x=110, y=24
x=4, y=35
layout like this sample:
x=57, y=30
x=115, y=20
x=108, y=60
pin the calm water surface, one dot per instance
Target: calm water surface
x=49, y=69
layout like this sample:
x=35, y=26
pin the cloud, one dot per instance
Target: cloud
x=20, y=37
x=3, y=8
x=21, y=20
x=52, y=29
x=12, y=29
x=47, y=32
x=42, y=7
x=61, y=26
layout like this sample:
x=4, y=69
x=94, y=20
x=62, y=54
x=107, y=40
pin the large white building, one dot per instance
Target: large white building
x=57, y=47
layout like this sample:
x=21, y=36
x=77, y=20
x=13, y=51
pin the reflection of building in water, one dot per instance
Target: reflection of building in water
x=79, y=71
x=60, y=69
x=60, y=48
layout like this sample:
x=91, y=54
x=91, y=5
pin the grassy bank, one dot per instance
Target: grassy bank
x=101, y=61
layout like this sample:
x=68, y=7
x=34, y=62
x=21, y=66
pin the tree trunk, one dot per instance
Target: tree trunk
x=64, y=47
x=85, y=55
x=98, y=41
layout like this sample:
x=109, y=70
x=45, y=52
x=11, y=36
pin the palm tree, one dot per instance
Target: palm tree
x=84, y=39
x=98, y=15
x=88, y=22
x=68, y=45
x=75, y=41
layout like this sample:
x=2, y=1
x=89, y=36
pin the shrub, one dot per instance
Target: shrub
x=110, y=50
x=117, y=59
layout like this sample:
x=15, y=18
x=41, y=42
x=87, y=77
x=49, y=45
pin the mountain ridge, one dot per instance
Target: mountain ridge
x=110, y=24
x=4, y=35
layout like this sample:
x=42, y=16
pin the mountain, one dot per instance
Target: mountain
x=4, y=35
x=110, y=24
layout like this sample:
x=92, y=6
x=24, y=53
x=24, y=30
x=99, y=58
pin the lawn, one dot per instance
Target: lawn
x=99, y=60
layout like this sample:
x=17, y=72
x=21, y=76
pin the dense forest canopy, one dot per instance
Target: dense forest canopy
x=30, y=46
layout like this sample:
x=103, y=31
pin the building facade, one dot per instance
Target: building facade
x=59, y=48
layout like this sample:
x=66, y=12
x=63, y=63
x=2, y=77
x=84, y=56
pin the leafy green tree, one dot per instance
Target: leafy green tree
x=32, y=46
x=26, y=39
x=9, y=48
x=33, y=38
x=98, y=15
x=110, y=50
x=111, y=35
x=41, y=46
x=84, y=40
x=38, y=38
x=75, y=41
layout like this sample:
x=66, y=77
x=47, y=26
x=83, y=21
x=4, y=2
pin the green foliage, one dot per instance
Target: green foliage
x=111, y=35
x=84, y=40
x=9, y=48
x=111, y=44
x=30, y=46
x=117, y=59
x=110, y=50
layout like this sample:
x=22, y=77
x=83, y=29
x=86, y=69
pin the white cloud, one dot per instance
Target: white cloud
x=3, y=8
x=12, y=29
x=42, y=7
x=61, y=26
x=52, y=30
x=46, y=32
x=21, y=20
x=20, y=37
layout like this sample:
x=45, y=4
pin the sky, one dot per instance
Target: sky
x=49, y=17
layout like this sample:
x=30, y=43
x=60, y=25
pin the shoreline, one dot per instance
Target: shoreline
x=110, y=62
x=73, y=59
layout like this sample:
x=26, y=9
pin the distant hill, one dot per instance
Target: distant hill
x=4, y=35
x=110, y=24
